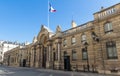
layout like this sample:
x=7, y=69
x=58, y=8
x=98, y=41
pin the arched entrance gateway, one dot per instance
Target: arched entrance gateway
x=45, y=46
x=44, y=50
x=50, y=48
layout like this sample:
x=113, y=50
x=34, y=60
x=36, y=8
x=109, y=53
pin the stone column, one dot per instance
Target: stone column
x=40, y=56
x=37, y=55
x=32, y=57
x=49, y=53
x=34, y=50
x=49, y=48
x=58, y=52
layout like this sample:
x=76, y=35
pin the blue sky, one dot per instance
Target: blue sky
x=21, y=20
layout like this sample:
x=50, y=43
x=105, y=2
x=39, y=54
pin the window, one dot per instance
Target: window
x=84, y=54
x=65, y=42
x=111, y=50
x=65, y=53
x=54, y=56
x=74, y=55
x=83, y=37
x=108, y=27
x=73, y=40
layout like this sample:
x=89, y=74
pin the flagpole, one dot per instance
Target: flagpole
x=48, y=14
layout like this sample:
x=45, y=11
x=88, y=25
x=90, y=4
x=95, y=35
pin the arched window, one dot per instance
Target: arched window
x=108, y=27
x=111, y=50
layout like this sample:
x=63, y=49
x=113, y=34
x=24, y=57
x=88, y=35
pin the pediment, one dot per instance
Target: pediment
x=44, y=31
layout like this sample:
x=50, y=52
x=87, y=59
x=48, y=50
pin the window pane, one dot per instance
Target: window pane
x=83, y=37
x=106, y=27
x=110, y=53
x=73, y=40
x=111, y=49
x=110, y=26
x=114, y=52
x=64, y=42
x=74, y=55
x=84, y=55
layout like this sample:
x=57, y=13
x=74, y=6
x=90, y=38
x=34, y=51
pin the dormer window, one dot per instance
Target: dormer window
x=108, y=27
x=73, y=40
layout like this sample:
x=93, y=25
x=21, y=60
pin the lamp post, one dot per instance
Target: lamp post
x=98, y=40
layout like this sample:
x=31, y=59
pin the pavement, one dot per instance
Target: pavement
x=24, y=71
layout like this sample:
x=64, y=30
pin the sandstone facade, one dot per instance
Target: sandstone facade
x=93, y=46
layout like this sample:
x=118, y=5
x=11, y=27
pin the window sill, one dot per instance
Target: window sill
x=84, y=59
x=112, y=60
x=73, y=43
x=107, y=32
x=74, y=60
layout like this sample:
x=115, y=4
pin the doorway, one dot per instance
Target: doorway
x=44, y=57
x=67, y=63
x=24, y=62
x=54, y=58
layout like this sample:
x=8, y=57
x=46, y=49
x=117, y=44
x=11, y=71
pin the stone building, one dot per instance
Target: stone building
x=93, y=46
x=7, y=45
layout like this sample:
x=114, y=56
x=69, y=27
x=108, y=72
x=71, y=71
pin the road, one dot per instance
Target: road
x=20, y=71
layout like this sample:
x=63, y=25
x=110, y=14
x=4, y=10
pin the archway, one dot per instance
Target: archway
x=44, y=50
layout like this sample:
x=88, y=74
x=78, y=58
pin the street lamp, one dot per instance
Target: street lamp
x=95, y=39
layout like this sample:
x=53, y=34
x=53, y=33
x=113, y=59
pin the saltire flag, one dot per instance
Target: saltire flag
x=51, y=9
